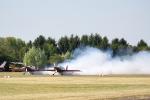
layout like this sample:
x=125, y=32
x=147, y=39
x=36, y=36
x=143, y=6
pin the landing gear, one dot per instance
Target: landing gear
x=54, y=73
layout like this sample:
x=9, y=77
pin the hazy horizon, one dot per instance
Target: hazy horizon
x=27, y=19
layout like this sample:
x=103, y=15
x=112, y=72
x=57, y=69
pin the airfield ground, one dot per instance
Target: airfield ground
x=28, y=87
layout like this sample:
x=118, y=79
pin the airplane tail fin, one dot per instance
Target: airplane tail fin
x=3, y=64
x=67, y=67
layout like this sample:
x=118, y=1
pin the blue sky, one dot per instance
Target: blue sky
x=27, y=19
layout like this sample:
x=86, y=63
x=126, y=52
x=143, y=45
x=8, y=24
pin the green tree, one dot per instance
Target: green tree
x=29, y=44
x=49, y=49
x=5, y=52
x=39, y=42
x=124, y=48
x=120, y=47
x=12, y=49
x=63, y=44
x=84, y=40
x=115, y=46
x=142, y=45
x=74, y=42
x=123, y=42
x=51, y=41
x=56, y=59
x=91, y=40
x=35, y=57
x=67, y=55
x=97, y=41
x=21, y=49
x=105, y=43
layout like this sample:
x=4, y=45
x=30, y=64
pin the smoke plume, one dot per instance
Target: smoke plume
x=92, y=61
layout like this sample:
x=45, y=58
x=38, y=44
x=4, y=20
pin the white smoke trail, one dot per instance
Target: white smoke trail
x=92, y=61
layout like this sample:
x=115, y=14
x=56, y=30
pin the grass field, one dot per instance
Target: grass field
x=28, y=87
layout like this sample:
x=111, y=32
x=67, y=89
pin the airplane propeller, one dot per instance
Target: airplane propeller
x=67, y=67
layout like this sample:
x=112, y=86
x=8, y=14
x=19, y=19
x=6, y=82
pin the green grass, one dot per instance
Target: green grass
x=28, y=87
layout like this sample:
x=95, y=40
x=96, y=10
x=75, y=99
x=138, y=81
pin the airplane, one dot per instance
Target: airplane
x=56, y=69
x=17, y=67
x=2, y=66
x=63, y=71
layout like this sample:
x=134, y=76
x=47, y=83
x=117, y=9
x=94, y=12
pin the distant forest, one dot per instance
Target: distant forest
x=13, y=49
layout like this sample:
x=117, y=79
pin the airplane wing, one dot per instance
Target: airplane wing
x=46, y=70
x=41, y=70
x=71, y=70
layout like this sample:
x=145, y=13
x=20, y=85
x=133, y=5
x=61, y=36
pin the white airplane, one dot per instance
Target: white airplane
x=56, y=69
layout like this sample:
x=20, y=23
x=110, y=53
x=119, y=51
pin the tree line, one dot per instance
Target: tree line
x=16, y=50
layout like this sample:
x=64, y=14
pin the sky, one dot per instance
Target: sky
x=27, y=19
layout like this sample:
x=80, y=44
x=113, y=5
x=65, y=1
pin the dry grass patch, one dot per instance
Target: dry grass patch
x=20, y=87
